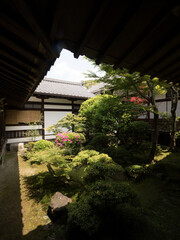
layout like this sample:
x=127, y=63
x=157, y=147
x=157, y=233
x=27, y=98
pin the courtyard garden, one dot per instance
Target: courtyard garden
x=104, y=164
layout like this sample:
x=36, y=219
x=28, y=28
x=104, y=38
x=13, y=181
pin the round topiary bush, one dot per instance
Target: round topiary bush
x=42, y=145
x=100, y=141
x=135, y=171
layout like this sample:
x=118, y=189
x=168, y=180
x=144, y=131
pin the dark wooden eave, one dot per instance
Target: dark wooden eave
x=140, y=35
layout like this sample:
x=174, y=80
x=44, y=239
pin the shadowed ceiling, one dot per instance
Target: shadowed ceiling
x=142, y=36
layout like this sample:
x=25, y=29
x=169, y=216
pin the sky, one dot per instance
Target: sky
x=66, y=67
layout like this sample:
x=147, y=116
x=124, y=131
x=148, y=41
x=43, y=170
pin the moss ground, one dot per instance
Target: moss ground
x=25, y=191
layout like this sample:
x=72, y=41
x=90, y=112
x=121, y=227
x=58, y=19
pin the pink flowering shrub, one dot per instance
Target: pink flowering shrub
x=70, y=139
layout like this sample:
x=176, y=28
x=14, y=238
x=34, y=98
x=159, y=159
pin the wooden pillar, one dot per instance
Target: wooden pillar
x=72, y=106
x=42, y=117
x=2, y=124
x=72, y=113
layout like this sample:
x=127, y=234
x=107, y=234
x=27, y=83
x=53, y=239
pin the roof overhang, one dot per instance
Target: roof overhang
x=142, y=36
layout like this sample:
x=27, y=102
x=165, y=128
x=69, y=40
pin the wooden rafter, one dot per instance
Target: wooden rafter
x=26, y=13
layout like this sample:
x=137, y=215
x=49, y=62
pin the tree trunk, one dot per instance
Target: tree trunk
x=51, y=171
x=174, y=102
x=155, y=136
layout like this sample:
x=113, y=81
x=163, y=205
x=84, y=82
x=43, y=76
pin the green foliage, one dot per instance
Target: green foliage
x=107, y=114
x=29, y=146
x=71, y=141
x=121, y=155
x=33, y=132
x=135, y=155
x=169, y=168
x=71, y=122
x=88, y=157
x=42, y=145
x=134, y=133
x=52, y=155
x=100, y=142
x=89, y=83
x=89, y=147
x=166, y=123
x=98, y=203
x=135, y=171
x=101, y=171
x=134, y=84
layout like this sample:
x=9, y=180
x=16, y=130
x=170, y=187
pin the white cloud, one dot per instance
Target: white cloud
x=62, y=71
x=66, y=67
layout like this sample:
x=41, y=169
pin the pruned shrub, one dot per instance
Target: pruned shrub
x=100, y=141
x=102, y=171
x=71, y=141
x=29, y=146
x=134, y=133
x=121, y=155
x=89, y=147
x=42, y=145
x=88, y=157
x=135, y=171
x=98, y=203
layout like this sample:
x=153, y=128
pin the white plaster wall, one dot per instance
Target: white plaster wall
x=52, y=117
x=34, y=99
x=26, y=139
x=79, y=101
x=57, y=100
x=161, y=107
x=178, y=108
x=46, y=106
x=26, y=127
x=49, y=137
x=162, y=96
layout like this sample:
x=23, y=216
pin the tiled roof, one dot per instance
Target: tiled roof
x=97, y=88
x=56, y=87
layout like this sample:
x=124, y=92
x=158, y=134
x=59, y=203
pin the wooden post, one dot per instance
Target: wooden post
x=72, y=113
x=42, y=120
x=72, y=106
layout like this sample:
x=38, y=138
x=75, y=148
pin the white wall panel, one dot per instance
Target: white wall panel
x=34, y=99
x=57, y=100
x=52, y=117
x=26, y=127
x=27, y=139
x=79, y=101
x=163, y=96
x=178, y=108
x=49, y=137
x=162, y=107
x=46, y=106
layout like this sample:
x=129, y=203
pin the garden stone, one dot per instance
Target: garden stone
x=21, y=149
x=57, y=211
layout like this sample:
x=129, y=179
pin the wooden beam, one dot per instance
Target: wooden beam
x=166, y=41
x=169, y=66
x=19, y=49
x=7, y=79
x=18, y=78
x=6, y=85
x=7, y=94
x=172, y=75
x=18, y=30
x=113, y=36
x=26, y=13
x=169, y=54
x=19, y=70
x=93, y=18
x=154, y=24
x=55, y=21
x=25, y=64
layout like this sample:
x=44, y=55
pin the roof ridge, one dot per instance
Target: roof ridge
x=61, y=81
